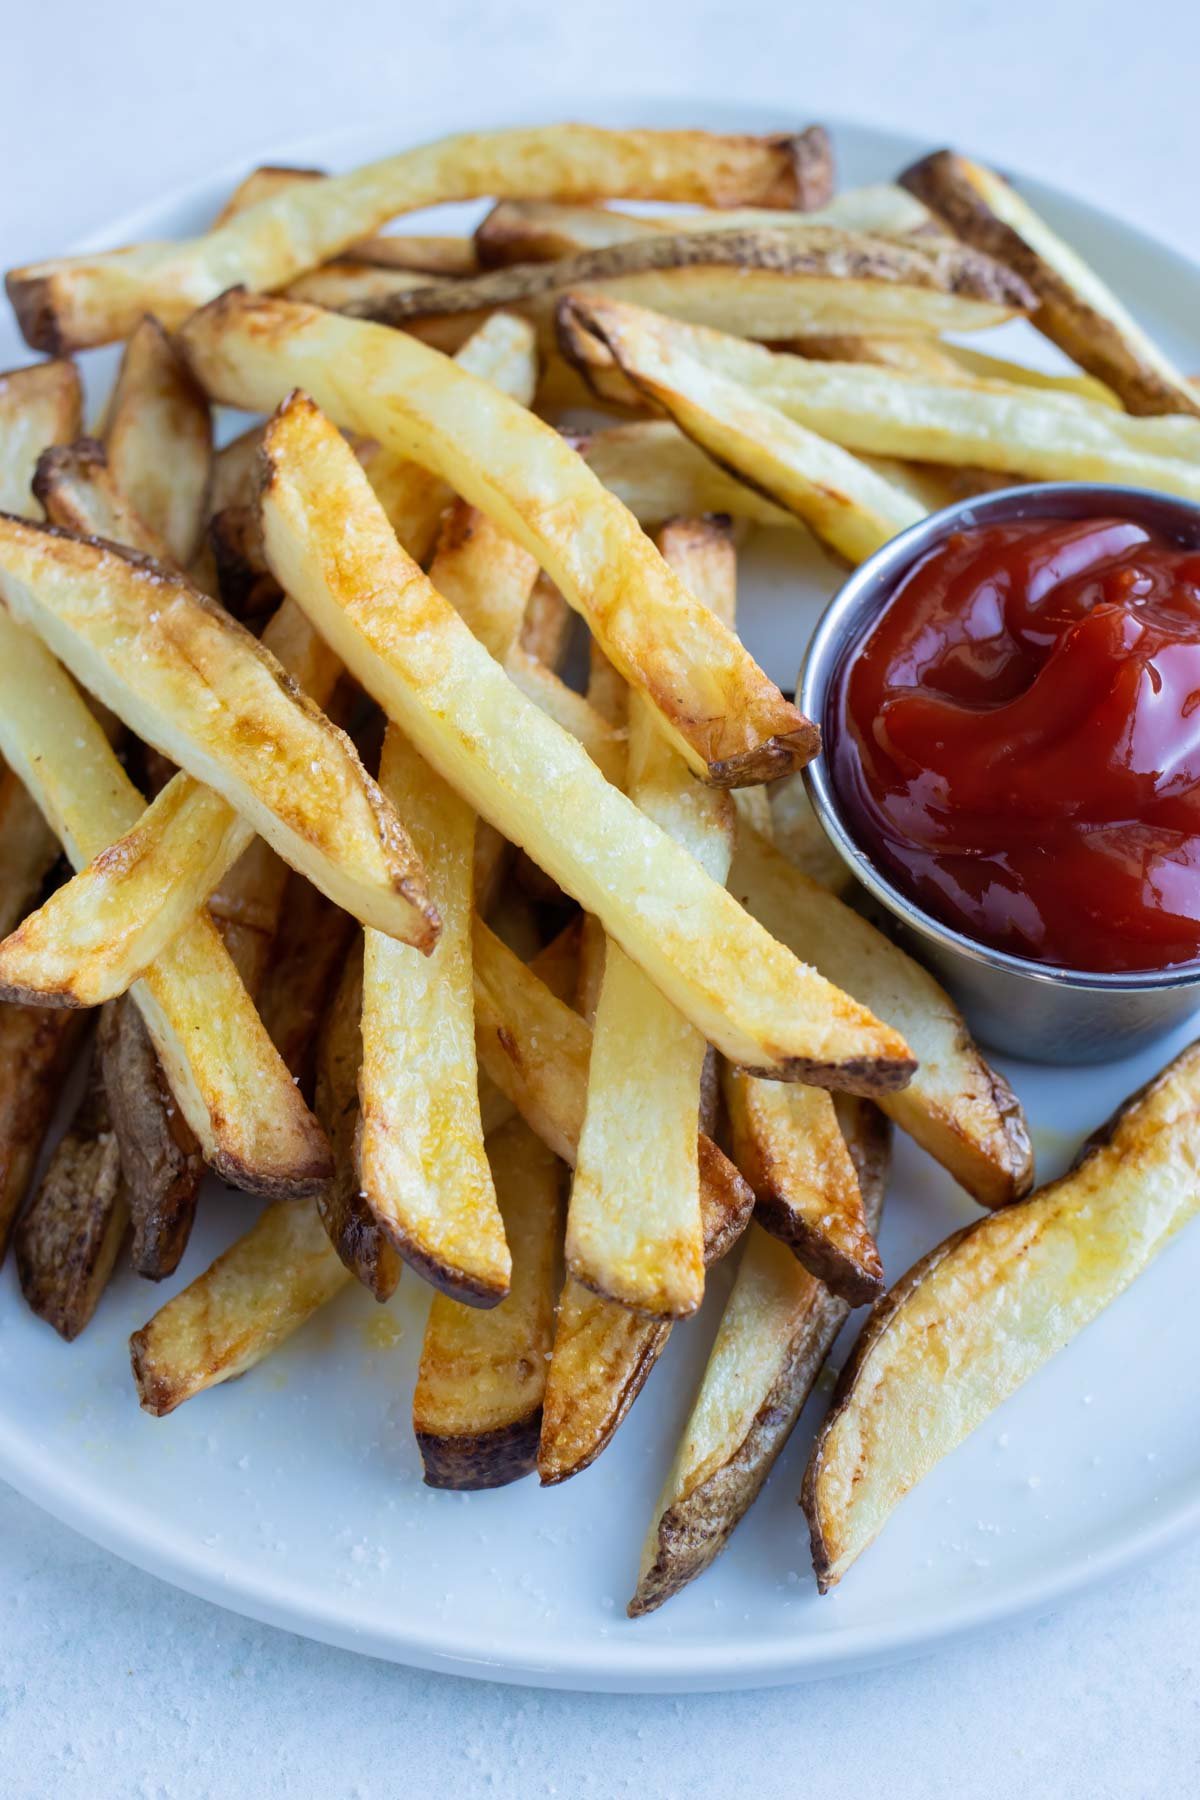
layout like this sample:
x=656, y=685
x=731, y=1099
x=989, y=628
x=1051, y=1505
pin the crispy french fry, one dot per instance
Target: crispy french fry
x=777, y=1329
x=976, y=1317
x=980, y=424
x=521, y=231
x=246, y=587
x=143, y=890
x=1075, y=308
x=547, y=626
x=487, y=578
x=190, y=681
x=797, y=832
x=158, y=1152
x=226, y=1076
x=74, y=302
x=241, y=1308
x=39, y=406
x=634, y=1229
x=36, y=1050
x=477, y=1404
x=345, y=285
x=424, y=1171
x=849, y=505
x=158, y=435
x=354, y=1228
x=67, y=1240
x=944, y=361
x=757, y=284
x=412, y=652
x=721, y=712
x=79, y=492
x=957, y=1107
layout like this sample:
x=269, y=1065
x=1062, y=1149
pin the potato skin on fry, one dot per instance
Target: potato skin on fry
x=37, y=1045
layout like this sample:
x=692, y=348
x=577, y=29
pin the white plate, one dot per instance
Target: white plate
x=295, y=1494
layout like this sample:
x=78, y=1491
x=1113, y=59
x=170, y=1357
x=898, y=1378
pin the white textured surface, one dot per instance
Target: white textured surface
x=112, y=1684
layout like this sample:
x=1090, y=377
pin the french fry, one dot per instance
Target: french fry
x=427, y=255
x=957, y=1107
x=74, y=302
x=30, y=850
x=477, y=1403
x=247, y=588
x=978, y=1315
x=1076, y=310
x=158, y=1152
x=522, y=231
x=241, y=1308
x=634, y=1229
x=79, y=492
x=797, y=832
x=995, y=426
x=719, y=709
x=39, y=406
x=143, y=890
x=849, y=505
x=943, y=361
x=416, y=657
x=158, y=436
x=424, y=1172
x=67, y=1240
x=354, y=1228
x=36, y=1050
x=547, y=626
x=226, y=1076
x=187, y=679
x=487, y=578
x=659, y=474
x=777, y=1329
x=757, y=284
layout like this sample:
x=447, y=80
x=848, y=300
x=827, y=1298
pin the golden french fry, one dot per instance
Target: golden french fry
x=158, y=437
x=848, y=504
x=659, y=474
x=229, y=1082
x=721, y=712
x=478, y=1399
x=957, y=1107
x=73, y=302
x=1075, y=308
x=79, y=492
x=241, y=1308
x=522, y=231
x=758, y=284
x=39, y=406
x=421, y=1156
x=199, y=688
x=777, y=1329
x=528, y=778
x=976, y=1317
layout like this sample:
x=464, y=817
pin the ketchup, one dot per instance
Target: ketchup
x=1016, y=741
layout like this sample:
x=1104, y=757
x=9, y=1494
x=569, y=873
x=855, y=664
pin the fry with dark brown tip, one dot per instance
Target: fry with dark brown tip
x=980, y=1314
x=478, y=1399
x=1075, y=308
x=777, y=1329
x=158, y=435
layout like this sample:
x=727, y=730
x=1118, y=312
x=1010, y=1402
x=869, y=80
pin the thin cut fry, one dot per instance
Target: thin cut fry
x=528, y=778
x=1076, y=309
x=158, y=436
x=74, y=302
x=228, y=1079
x=982, y=1312
x=477, y=1404
x=423, y=1167
x=846, y=503
x=777, y=1329
x=719, y=709
x=521, y=231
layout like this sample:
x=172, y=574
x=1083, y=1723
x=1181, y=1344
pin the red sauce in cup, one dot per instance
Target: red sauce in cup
x=1016, y=741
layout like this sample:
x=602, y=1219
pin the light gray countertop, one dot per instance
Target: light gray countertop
x=112, y=1684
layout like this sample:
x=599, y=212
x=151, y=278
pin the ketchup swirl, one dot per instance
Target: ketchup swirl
x=1016, y=741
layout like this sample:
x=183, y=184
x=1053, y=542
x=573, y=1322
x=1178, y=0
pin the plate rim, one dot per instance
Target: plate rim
x=618, y=1665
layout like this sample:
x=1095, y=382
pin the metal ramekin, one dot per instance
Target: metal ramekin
x=1027, y=1009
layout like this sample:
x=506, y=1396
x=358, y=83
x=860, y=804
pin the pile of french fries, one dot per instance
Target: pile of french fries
x=549, y=991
